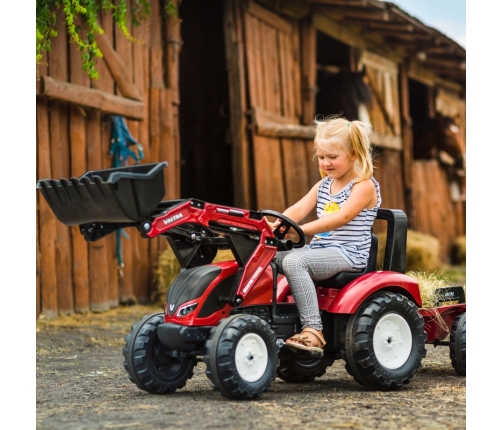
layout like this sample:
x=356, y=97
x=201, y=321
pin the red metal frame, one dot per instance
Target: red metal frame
x=255, y=286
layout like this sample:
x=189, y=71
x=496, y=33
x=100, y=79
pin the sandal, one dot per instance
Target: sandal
x=305, y=343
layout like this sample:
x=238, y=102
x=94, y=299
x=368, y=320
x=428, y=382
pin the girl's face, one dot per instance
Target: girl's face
x=336, y=162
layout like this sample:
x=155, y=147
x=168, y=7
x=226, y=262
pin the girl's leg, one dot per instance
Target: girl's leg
x=301, y=268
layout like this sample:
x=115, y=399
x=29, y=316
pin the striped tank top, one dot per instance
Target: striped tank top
x=353, y=240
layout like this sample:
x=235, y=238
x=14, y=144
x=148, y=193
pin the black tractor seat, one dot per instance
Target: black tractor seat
x=343, y=278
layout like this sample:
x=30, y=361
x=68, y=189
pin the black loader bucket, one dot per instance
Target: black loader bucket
x=122, y=194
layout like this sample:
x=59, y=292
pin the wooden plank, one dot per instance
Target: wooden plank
x=58, y=133
x=234, y=52
x=387, y=141
x=38, y=300
x=140, y=292
x=296, y=131
x=111, y=294
x=286, y=83
x=156, y=49
x=296, y=169
x=174, y=45
x=270, y=18
x=269, y=174
x=336, y=31
x=407, y=145
x=308, y=59
x=274, y=69
x=47, y=219
x=138, y=52
x=117, y=67
x=125, y=280
x=167, y=144
x=60, y=165
x=296, y=72
x=260, y=115
x=254, y=98
x=273, y=125
x=88, y=97
x=98, y=272
x=105, y=79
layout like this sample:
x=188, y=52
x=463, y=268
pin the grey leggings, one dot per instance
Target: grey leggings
x=302, y=266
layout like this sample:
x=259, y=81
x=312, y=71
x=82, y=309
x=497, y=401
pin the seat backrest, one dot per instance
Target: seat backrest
x=343, y=278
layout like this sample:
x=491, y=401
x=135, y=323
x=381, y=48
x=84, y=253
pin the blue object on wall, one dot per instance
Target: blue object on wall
x=119, y=149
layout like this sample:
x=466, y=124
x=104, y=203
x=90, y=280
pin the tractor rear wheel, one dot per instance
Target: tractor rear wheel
x=458, y=344
x=385, y=341
x=302, y=371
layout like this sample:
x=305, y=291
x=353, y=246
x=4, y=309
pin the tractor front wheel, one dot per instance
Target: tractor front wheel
x=385, y=341
x=150, y=365
x=241, y=357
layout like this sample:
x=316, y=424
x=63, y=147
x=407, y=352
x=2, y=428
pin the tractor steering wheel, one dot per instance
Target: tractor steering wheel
x=287, y=224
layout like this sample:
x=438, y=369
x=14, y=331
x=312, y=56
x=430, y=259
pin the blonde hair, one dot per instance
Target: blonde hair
x=349, y=136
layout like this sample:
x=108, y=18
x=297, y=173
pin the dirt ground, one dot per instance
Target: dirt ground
x=81, y=384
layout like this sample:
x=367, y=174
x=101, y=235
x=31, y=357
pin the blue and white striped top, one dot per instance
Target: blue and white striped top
x=354, y=238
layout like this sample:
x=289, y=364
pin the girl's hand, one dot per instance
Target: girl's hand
x=293, y=235
x=273, y=225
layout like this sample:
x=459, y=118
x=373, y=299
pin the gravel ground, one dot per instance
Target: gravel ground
x=81, y=384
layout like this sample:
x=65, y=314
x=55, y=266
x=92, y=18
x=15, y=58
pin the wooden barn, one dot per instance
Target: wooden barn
x=227, y=94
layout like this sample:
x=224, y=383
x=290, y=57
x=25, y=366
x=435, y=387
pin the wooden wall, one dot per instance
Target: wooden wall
x=72, y=275
x=436, y=213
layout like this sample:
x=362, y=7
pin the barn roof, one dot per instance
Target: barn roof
x=385, y=23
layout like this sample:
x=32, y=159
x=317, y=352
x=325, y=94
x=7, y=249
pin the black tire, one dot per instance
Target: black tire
x=385, y=342
x=302, y=371
x=151, y=366
x=458, y=344
x=235, y=375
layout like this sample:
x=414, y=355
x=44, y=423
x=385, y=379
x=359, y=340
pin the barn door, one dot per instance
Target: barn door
x=281, y=147
x=382, y=77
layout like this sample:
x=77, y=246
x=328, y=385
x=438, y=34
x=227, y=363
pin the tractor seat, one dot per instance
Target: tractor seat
x=343, y=278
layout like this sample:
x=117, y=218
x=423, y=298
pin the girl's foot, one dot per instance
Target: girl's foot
x=308, y=340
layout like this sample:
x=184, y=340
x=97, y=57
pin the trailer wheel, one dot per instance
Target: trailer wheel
x=302, y=371
x=150, y=365
x=385, y=341
x=241, y=357
x=458, y=344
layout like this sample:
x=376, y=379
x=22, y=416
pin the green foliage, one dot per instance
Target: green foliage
x=82, y=24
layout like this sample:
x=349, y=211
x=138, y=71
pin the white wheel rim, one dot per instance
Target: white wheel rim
x=392, y=341
x=251, y=357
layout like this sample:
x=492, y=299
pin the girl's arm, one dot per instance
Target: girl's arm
x=301, y=208
x=363, y=195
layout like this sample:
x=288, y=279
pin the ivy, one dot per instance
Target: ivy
x=82, y=25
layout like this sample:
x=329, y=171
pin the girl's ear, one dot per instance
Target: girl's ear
x=354, y=156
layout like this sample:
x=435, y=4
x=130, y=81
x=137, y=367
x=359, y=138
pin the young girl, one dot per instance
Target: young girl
x=346, y=201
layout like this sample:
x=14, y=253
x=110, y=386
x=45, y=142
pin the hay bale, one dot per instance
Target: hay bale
x=458, y=252
x=168, y=268
x=428, y=283
x=422, y=252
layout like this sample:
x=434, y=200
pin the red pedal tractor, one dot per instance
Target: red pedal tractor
x=236, y=315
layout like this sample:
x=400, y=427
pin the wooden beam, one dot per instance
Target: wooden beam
x=117, y=68
x=391, y=26
x=234, y=55
x=411, y=37
x=387, y=141
x=273, y=125
x=88, y=97
x=366, y=14
x=270, y=18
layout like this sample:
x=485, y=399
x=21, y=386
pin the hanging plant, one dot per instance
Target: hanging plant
x=88, y=10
